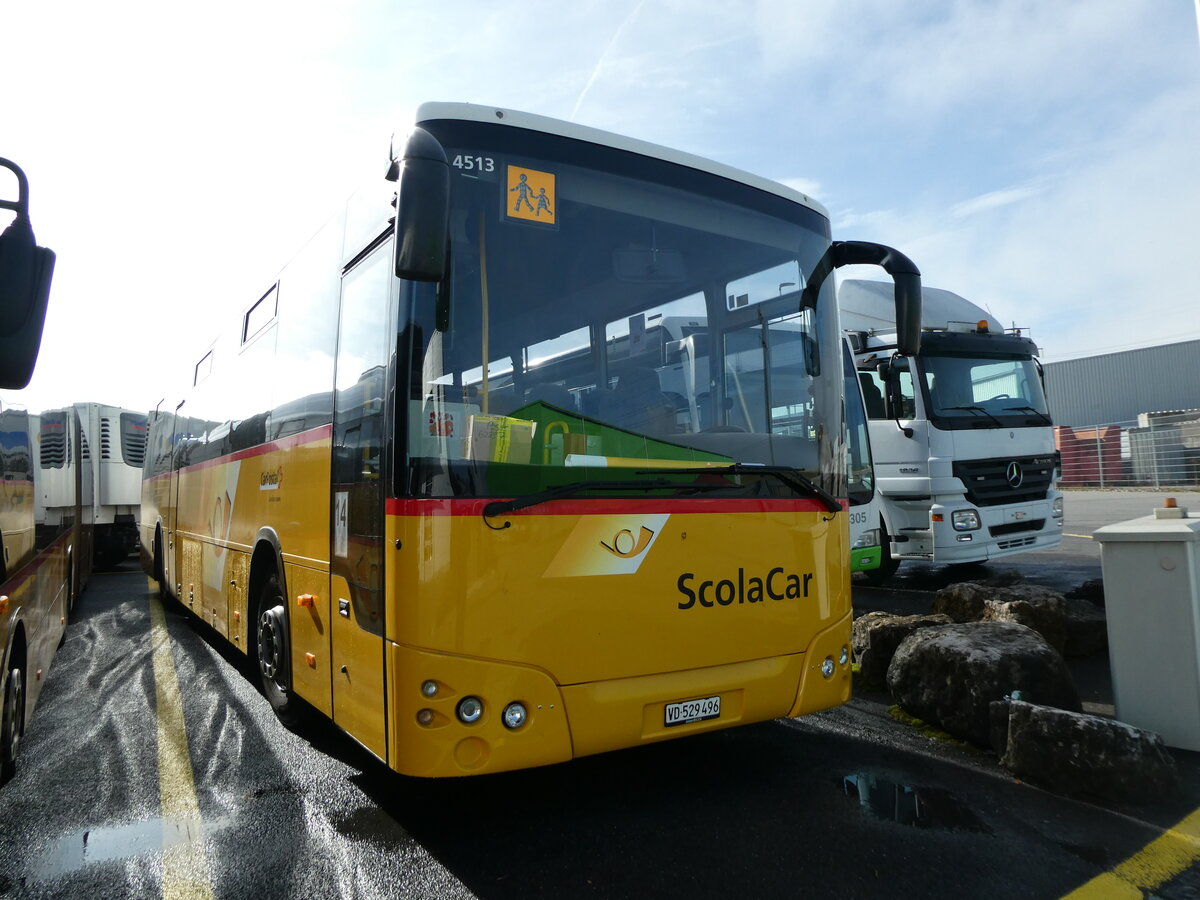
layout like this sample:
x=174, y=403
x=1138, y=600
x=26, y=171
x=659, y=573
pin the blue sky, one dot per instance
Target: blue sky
x=1036, y=156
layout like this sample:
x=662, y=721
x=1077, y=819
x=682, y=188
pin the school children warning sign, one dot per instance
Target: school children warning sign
x=531, y=195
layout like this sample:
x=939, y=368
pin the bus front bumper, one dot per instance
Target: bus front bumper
x=427, y=737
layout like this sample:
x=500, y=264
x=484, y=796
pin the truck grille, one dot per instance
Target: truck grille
x=1017, y=527
x=1020, y=479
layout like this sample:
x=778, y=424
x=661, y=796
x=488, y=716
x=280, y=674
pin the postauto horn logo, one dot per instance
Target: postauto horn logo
x=607, y=545
x=626, y=546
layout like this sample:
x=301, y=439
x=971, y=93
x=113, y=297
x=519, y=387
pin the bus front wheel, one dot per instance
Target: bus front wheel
x=11, y=723
x=273, y=650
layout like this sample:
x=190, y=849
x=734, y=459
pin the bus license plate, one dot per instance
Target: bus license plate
x=691, y=711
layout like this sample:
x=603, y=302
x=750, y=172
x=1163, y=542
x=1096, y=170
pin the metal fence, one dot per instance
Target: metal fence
x=1160, y=449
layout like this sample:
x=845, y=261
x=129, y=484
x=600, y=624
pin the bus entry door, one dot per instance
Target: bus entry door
x=357, y=498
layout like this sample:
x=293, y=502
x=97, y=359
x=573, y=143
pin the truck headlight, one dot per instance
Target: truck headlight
x=965, y=520
x=1056, y=508
x=869, y=538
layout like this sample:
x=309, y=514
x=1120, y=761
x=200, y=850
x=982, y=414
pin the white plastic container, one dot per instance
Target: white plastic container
x=1152, y=600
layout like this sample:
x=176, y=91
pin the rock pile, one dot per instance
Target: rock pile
x=987, y=665
x=949, y=675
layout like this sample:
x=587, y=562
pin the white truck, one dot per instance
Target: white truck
x=114, y=446
x=961, y=436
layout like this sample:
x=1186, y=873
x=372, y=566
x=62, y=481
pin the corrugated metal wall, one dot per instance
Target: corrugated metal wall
x=1116, y=387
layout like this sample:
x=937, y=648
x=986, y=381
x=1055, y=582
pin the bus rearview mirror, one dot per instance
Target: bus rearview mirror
x=422, y=208
x=25, y=274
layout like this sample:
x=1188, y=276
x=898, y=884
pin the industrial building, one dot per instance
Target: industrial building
x=1118, y=387
x=1130, y=418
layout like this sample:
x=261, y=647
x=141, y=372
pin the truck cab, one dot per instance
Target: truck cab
x=960, y=433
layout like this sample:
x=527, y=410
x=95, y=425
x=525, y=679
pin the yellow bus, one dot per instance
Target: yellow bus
x=45, y=558
x=535, y=451
x=45, y=552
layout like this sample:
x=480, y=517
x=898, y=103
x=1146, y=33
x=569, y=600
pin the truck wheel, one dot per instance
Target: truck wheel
x=12, y=723
x=273, y=652
x=888, y=564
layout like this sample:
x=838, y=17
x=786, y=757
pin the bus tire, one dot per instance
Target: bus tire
x=272, y=652
x=12, y=722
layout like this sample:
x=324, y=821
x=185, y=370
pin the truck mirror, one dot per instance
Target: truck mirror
x=25, y=273
x=422, y=208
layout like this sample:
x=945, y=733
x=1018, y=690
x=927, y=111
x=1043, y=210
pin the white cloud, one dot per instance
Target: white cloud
x=994, y=200
x=1090, y=257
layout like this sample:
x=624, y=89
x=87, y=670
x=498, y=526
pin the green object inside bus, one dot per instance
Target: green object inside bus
x=560, y=435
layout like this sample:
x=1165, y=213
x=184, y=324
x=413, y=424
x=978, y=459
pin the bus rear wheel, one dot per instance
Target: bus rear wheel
x=12, y=722
x=273, y=652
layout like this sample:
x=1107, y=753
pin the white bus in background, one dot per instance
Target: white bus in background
x=114, y=447
x=960, y=433
x=866, y=554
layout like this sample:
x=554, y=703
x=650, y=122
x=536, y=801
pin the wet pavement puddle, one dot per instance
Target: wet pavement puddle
x=892, y=801
x=119, y=842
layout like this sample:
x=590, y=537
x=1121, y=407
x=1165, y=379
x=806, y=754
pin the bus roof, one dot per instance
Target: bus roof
x=428, y=112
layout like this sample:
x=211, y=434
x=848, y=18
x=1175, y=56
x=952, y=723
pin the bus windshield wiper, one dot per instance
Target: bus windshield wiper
x=559, y=491
x=974, y=409
x=1041, y=415
x=793, y=478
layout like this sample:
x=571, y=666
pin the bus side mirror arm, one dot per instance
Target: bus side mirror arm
x=905, y=276
x=422, y=208
x=25, y=273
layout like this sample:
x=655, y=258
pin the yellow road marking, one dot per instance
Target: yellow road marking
x=1087, y=537
x=185, y=865
x=1149, y=869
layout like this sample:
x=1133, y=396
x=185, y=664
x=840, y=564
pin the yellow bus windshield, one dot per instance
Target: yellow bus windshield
x=600, y=324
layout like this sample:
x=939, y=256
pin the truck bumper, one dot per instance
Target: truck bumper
x=1003, y=531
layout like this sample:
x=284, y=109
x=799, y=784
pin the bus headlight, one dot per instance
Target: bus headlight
x=827, y=667
x=1056, y=509
x=965, y=520
x=514, y=716
x=469, y=710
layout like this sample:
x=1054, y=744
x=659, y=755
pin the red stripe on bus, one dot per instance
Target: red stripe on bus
x=606, y=507
x=304, y=437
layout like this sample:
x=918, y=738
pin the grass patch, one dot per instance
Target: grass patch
x=929, y=731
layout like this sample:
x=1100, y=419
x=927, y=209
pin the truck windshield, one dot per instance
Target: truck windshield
x=990, y=391
x=607, y=315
